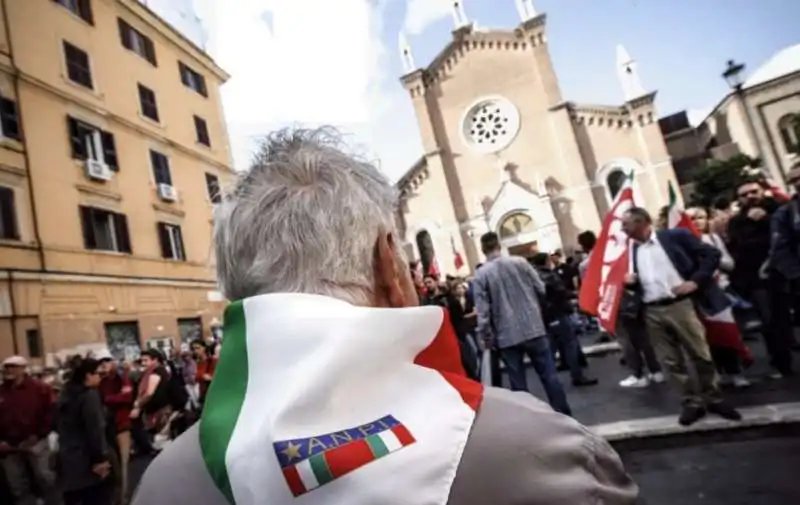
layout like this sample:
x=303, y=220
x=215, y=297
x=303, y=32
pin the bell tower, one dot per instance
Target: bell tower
x=459, y=15
x=628, y=74
x=525, y=9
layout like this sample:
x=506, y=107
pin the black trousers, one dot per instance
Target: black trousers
x=774, y=303
x=636, y=346
x=99, y=494
x=726, y=360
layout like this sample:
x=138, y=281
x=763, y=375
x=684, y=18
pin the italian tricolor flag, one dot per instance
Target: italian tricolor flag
x=676, y=217
x=316, y=398
x=310, y=463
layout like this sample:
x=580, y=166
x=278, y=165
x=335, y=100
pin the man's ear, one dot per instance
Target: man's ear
x=393, y=284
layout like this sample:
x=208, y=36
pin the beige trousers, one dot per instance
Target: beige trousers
x=677, y=333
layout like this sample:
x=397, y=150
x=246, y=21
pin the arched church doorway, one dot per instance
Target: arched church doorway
x=427, y=254
x=517, y=233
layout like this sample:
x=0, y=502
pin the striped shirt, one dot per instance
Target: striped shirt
x=506, y=293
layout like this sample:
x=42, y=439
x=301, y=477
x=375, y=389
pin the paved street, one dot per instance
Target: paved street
x=607, y=402
x=762, y=472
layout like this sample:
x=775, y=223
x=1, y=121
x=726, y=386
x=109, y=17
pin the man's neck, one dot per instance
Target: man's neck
x=494, y=255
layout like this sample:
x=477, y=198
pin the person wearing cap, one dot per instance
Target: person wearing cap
x=26, y=419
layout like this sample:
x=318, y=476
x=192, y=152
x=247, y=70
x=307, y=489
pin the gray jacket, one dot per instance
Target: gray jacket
x=519, y=452
x=506, y=291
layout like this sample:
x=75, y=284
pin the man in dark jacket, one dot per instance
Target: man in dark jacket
x=750, y=240
x=556, y=309
x=749, y=237
x=785, y=277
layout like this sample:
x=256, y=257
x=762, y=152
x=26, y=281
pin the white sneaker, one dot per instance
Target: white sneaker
x=657, y=377
x=635, y=382
x=740, y=381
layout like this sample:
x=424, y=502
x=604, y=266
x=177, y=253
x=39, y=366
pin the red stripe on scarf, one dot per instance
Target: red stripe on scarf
x=444, y=356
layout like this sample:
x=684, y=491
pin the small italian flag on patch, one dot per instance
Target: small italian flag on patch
x=309, y=463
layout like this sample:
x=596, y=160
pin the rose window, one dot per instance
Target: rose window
x=490, y=125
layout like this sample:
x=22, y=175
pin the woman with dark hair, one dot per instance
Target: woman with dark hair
x=205, y=363
x=83, y=455
x=464, y=319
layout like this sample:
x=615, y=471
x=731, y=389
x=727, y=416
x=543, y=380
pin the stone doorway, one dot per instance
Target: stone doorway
x=524, y=250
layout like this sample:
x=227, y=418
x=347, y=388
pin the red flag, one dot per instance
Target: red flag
x=778, y=194
x=457, y=259
x=602, y=286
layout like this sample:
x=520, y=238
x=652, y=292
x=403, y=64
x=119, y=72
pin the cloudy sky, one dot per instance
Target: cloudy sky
x=336, y=61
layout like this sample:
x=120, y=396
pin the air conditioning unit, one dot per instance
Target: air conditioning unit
x=167, y=192
x=97, y=170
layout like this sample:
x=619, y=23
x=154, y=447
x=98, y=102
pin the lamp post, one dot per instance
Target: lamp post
x=733, y=76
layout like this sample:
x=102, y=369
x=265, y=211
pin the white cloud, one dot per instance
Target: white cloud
x=307, y=62
x=421, y=13
x=316, y=64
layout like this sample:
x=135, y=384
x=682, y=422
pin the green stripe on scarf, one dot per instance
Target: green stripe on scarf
x=225, y=398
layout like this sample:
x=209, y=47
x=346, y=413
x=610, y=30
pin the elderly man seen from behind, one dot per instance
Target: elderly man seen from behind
x=334, y=386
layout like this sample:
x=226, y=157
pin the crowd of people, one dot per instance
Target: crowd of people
x=67, y=433
x=746, y=255
x=67, y=437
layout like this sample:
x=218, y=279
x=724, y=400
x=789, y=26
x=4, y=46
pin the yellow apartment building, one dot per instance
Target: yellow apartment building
x=112, y=148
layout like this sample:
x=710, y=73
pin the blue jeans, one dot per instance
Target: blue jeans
x=562, y=332
x=538, y=350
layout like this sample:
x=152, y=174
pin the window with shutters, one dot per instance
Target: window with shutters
x=90, y=142
x=192, y=79
x=8, y=215
x=134, y=40
x=201, y=127
x=212, y=185
x=9, y=119
x=104, y=230
x=161, y=171
x=171, y=239
x=147, y=103
x=79, y=69
x=81, y=8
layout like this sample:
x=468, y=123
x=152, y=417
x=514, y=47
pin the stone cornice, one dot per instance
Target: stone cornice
x=466, y=39
x=146, y=15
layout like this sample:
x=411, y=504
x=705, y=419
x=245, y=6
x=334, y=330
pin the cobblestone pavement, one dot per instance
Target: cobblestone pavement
x=730, y=473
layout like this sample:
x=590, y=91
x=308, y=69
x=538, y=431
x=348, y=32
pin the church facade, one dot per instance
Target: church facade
x=505, y=152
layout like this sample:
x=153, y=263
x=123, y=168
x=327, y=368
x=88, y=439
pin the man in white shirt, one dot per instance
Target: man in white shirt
x=674, y=270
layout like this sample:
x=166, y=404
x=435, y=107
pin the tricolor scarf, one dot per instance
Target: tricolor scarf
x=317, y=401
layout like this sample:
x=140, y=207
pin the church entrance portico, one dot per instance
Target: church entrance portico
x=521, y=235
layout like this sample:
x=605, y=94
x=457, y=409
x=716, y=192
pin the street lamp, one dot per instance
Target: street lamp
x=733, y=75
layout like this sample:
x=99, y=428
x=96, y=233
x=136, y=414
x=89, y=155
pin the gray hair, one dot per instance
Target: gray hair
x=303, y=219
